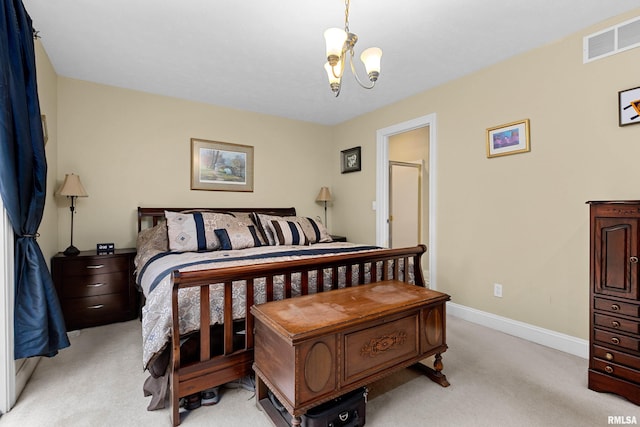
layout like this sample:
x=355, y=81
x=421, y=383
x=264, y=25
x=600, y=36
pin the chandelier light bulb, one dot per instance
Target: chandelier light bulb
x=335, y=38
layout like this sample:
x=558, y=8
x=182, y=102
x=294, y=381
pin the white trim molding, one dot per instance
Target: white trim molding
x=382, y=184
x=7, y=364
x=556, y=340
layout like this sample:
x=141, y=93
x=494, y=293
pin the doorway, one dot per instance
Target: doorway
x=405, y=204
x=429, y=219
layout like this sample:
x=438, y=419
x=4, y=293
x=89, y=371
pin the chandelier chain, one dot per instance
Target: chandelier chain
x=346, y=15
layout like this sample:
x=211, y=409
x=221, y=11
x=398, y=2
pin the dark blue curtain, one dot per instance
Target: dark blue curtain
x=38, y=322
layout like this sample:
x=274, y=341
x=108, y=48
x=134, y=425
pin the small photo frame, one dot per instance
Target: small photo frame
x=221, y=166
x=351, y=160
x=510, y=138
x=629, y=107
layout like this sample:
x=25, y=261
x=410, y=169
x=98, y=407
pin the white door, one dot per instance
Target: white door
x=405, y=188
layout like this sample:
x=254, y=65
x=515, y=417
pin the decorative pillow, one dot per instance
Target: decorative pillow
x=313, y=229
x=150, y=242
x=195, y=232
x=238, y=237
x=288, y=233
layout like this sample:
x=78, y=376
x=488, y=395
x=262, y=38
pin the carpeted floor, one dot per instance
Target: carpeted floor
x=496, y=380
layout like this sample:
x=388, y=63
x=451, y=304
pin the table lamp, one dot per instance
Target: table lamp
x=72, y=187
x=324, y=196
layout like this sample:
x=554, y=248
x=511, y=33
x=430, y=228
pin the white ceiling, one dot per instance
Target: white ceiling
x=267, y=55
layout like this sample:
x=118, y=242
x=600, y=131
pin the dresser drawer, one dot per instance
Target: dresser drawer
x=611, y=355
x=98, y=284
x=614, y=340
x=617, y=323
x=619, y=371
x=91, y=311
x=627, y=309
x=94, y=265
x=379, y=347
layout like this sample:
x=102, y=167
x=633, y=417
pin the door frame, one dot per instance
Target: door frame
x=382, y=184
x=7, y=364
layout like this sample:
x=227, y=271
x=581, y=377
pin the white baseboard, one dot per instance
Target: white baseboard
x=546, y=337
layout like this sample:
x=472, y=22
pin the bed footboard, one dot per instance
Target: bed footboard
x=219, y=363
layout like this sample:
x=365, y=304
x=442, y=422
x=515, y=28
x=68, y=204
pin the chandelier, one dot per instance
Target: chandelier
x=340, y=45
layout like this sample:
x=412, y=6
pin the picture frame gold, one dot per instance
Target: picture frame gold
x=510, y=138
x=221, y=166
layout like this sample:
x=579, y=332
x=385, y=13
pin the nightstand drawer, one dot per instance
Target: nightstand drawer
x=98, y=284
x=615, y=340
x=617, y=323
x=94, y=265
x=95, y=289
x=92, y=311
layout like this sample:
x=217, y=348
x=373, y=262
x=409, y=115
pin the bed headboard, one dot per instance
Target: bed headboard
x=150, y=216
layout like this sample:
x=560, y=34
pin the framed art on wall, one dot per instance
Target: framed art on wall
x=510, y=138
x=221, y=166
x=629, y=107
x=351, y=160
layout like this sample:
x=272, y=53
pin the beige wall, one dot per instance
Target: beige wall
x=48, y=96
x=518, y=220
x=133, y=149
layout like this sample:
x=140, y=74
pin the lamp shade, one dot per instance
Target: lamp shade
x=324, y=195
x=371, y=59
x=72, y=187
x=335, y=38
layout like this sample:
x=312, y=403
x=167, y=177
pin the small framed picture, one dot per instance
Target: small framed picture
x=221, y=166
x=350, y=160
x=510, y=138
x=629, y=107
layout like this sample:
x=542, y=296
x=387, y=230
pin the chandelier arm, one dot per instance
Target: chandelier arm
x=355, y=74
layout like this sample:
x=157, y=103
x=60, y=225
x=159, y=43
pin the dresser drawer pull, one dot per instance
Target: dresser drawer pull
x=95, y=267
x=96, y=307
x=609, y=356
x=615, y=340
x=615, y=307
x=615, y=324
x=608, y=369
x=633, y=260
x=95, y=285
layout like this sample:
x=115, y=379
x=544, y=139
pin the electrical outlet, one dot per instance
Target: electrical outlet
x=497, y=290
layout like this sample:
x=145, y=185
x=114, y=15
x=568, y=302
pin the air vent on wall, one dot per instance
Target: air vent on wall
x=612, y=40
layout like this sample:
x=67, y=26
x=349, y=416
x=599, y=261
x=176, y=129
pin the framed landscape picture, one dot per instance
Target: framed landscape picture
x=510, y=138
x=221, y=166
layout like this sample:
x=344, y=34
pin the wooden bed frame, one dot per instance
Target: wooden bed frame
x=235, y=356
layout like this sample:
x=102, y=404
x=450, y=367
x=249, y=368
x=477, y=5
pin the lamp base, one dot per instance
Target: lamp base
x=71, y=251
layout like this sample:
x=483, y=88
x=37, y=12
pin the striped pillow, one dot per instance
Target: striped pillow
x=288, y=233
x=195, y=232
x=238, y=237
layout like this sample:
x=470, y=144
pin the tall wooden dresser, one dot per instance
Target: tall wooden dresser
x=614, y=359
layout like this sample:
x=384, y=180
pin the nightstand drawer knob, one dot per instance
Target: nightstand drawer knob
x=608, y=369
x=615, y=324
x=96, y=307
x=615, y=307
x=609, y=356
x=95, y=267
x=615, y=340
x=633, y=260
x=95, y=285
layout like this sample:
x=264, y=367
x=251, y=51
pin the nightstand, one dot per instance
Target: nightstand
x=95, y=289
x=338, y=238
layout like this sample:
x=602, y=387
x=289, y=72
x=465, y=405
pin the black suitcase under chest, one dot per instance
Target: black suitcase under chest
x=345, y=411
